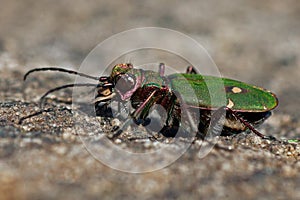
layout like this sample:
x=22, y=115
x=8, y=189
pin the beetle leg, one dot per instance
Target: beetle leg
x=216, y=123
x=171, y=108
x=193, y=125
x=185, y=111
x=161, y=69
x=141, y=108
x=172, y=122
x=117, y=132
x=159, y=95
x=248, y=125
x=191, y=70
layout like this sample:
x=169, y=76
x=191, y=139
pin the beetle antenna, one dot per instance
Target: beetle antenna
x=60, y=70
x=67, y=86
x=34, y=114
x=21, y=120
x=53, y=90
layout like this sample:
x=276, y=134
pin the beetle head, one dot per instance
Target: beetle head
x=125, y=79
x=120, y=69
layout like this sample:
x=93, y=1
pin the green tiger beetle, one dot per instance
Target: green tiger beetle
x=247, y=106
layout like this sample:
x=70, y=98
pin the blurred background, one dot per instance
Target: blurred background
x=252, y=41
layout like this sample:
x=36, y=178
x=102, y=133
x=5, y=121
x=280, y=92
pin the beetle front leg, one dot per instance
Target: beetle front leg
x=165, y=102
x=140, y=111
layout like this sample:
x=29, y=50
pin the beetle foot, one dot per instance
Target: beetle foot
x=272, y=138
x=115, y=134
x=143, y=122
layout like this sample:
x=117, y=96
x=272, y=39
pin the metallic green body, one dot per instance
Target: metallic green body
x=249, y=99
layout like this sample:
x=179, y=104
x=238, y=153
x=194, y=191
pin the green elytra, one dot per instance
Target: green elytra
x=243, y=97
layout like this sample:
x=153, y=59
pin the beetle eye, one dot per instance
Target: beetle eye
x=125, y=82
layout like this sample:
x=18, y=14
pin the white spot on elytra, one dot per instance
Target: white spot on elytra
x=236, y=90
x=230, y=103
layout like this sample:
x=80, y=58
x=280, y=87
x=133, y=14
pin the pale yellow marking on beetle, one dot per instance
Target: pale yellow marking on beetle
x=106, y=92
x=98, y=99
x=236, y=90
x=230, y=103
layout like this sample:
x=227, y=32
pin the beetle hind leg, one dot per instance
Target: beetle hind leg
x=248, y=125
